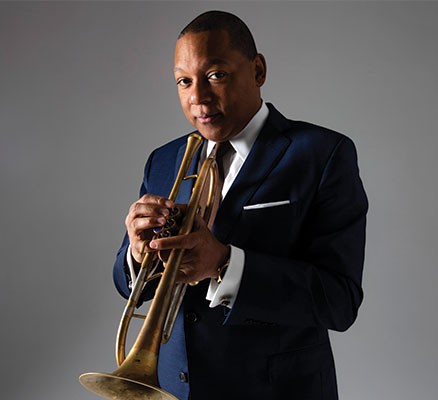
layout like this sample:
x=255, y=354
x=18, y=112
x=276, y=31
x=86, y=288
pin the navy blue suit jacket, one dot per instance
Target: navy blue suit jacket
x=302, y=273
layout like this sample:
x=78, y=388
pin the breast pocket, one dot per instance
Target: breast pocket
x=270, y=227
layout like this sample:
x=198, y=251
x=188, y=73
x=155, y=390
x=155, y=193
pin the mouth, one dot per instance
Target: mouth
x=208, y=118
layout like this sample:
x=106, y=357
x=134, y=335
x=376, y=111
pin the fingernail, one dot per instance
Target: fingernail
x=165, y=211
x=161, y=220
x=153, y=245
x=168, y=203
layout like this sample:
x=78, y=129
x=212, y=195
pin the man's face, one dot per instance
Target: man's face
x=219, y=88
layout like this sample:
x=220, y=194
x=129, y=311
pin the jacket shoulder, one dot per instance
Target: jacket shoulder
x=303, y=131
x=172, y=147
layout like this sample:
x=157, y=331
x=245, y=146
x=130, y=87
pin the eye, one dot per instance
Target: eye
x=183, y=82
x=215, y=76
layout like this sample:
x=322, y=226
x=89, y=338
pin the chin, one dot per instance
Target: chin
x=211, y=134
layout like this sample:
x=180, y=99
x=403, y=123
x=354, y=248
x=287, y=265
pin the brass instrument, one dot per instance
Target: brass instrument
x=136, y=376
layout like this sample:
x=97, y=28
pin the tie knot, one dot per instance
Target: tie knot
x=219, y=149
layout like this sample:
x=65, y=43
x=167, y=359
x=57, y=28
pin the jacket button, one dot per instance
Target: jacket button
x=192, y=317
x=183, y=377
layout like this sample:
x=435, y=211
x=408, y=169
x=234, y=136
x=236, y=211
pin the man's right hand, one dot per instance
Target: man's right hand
x=149, y=212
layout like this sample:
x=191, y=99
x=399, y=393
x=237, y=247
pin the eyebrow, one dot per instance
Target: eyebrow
x=213, y=61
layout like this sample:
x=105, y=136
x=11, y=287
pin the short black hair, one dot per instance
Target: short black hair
x=240, y=36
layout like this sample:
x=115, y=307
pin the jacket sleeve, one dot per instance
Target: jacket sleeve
x=318, y=284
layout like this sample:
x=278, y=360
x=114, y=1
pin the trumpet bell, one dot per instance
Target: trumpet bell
x=120, y=388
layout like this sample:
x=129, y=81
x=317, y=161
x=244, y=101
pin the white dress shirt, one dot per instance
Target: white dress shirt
x=225, y=292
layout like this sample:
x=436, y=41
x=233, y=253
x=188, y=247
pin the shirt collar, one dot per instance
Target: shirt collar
x=244, y=140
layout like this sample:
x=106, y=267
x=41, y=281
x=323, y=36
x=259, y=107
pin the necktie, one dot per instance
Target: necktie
x=219, y=151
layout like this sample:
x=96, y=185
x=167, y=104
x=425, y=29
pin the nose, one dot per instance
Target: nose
x=200, y=93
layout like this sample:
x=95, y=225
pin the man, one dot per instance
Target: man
x=283, y=263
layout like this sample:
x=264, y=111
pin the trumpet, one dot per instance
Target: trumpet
x=136, y=376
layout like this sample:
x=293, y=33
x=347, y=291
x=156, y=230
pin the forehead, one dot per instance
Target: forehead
x=211, y=47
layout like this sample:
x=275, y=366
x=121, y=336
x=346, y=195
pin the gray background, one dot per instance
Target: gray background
x=86, y=92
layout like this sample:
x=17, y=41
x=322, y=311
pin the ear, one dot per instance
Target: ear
x=260, y=69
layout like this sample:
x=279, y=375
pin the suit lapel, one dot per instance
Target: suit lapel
x=267, y=151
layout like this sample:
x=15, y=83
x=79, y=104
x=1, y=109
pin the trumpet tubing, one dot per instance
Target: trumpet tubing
x=136, y=376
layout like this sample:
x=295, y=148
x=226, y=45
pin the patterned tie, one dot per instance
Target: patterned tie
x=220, y=149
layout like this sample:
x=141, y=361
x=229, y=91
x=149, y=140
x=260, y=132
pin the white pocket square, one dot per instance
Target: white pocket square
x=266, y=205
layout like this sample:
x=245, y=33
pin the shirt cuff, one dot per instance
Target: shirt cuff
x=225, y=293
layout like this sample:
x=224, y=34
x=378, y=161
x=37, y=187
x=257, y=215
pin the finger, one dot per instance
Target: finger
x=139, y=209
x=139, y=248
x=150, y=205
x=174, y=242
x=143, y=216
x=141, y=224
x=157, y=200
